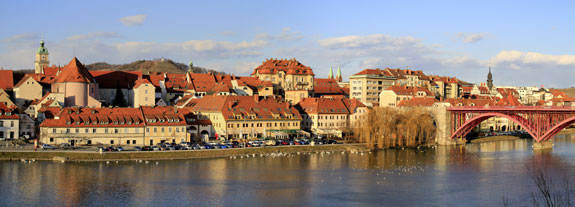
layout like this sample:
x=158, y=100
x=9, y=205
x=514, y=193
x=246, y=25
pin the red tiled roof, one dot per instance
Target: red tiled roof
x=94, y=117
x=245, y=106
x=162, y=116
x=417, y=101
x=376, y=71
x=140, y=82
x=52, y=71
x=407, y=90
x=6, y=79
x=288, y=66
x=4, y=110
x=471, y=102
x=115, y=79
x=327, y=86
x=331, y=105
x=508, y=100
x=558, y=93
x=75, y=72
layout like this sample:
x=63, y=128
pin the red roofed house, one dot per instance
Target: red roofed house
x=249, y=86
x=285, y=74
x=395, y=94
x=6, y=80
x=28, y=89
x=77, y=85
x=144, y=93
x=110, y=81
x=330, y=116
x=327, y=86
x=5, y=99
x=92, y=126
x=9, y=123
x=249, y=117
x=418, y=102
x=164, y=125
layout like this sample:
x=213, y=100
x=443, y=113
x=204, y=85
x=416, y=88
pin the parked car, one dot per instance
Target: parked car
x=119, y=149
x=155, y=148
x=47, y=146
x=66, y=146
x=138, y=149
x=110, y=149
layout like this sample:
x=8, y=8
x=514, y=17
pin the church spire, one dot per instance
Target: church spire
x=191, y=66
x=41, y=58
x=338, y=75
x=489, y=79
x=330, y=75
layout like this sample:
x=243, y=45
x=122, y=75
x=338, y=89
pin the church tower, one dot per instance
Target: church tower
x=191, y=66
x=489, y=79
x=41, y=59
x=330, y=75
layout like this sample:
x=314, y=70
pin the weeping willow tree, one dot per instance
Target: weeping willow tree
x=386, y=127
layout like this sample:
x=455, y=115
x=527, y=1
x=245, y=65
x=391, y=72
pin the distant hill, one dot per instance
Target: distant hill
x=568, y=91
x=156, y=65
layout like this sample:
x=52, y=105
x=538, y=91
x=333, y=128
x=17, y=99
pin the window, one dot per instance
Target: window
x=128, y=142
x=111, y=141
x=147, y=130
x=134, y=141
x=51, y=139
x=11, y=123
x=155, y=130
x=86, y=130
x=162, y=129
x=53, y=130
x=67, y=131
x=93, y=130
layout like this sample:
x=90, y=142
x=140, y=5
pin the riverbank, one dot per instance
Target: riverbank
x=172, y=155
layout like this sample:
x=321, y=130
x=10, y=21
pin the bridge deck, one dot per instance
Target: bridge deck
x=514, y=109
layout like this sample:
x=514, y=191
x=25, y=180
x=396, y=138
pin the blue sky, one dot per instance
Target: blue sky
x=527, y=42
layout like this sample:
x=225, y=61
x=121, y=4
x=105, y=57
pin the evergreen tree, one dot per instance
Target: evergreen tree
x=119, y=100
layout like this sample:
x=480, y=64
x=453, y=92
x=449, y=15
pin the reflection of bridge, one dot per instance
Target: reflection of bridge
x=541, y=122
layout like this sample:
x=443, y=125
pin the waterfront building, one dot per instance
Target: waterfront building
x=49, y=100
x=366, y=85
x=9, y=122
x=144, y=93
x=27, y=126
x=249, y=117
x=285, y=74
x=391, y=96
x=164, y=125
x=113, y=126
x=330, y=116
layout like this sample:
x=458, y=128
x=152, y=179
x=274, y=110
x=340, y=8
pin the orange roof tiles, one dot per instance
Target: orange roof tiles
x=329, y=105
x=163, y=116
x=6, y=79
x=7, y=113
x=75, y=72
x=94, y=117
x=140, y=82
x=234, y=107
x=327, y=86
x=288, y=66
x=417, y=101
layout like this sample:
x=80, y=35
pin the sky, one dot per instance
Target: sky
x=526, y=43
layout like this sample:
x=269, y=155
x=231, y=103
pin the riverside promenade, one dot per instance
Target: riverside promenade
x=93, y=155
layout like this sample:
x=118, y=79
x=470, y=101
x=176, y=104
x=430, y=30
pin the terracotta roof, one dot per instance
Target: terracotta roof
x=508, y=100
x=407, y=90
x=471, y=102
x=162, y=116
x=6, y=79
x=329, y=105
x=327, y=86
x=558, y=93
x=52, y=71
x=417, y=101
x=4, y=111
x=75, y=72
x=95, y=117
x=236, y=107
x=140, y=82
x=115, y=79
x=288, y=66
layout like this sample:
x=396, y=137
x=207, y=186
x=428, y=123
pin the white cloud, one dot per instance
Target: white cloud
x=471, y=37
x=24, y=37
x=286, y=35
x=524, y=58
x=133, y=20
x=94, y=35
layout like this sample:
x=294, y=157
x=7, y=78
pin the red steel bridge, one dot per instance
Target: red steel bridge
x=541, y=122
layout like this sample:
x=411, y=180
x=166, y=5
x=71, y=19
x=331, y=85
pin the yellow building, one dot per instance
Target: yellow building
x=330, y=116
x=114, y=126
x=144, y=93
x=249, y=117
x=27, y=90
x=285, y=74
x=366, y=85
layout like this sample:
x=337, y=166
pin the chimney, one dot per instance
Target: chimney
x=256, y=98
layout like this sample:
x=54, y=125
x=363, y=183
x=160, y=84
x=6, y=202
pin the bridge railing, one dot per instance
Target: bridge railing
x=538, y=108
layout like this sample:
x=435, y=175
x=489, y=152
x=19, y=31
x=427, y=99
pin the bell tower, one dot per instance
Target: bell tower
x=41, y=58
x=489, y=79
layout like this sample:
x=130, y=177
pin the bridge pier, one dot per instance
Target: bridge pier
x=544, y=145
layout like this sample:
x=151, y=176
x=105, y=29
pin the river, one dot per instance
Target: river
x=478, y=174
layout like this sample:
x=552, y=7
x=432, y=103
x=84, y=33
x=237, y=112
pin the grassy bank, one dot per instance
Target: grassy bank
x=168, y=155
x=494, y=138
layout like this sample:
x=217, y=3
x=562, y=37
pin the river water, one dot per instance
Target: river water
x=471, y=175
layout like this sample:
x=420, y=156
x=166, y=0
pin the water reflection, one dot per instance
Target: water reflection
x=475, y=174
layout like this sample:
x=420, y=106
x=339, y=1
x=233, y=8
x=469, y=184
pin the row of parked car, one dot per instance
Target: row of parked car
x=201, y=146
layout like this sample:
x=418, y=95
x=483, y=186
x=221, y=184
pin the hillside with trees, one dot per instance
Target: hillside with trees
x=156, y=65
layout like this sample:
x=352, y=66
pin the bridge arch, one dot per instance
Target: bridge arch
x=557, y=128
x=473, y=122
